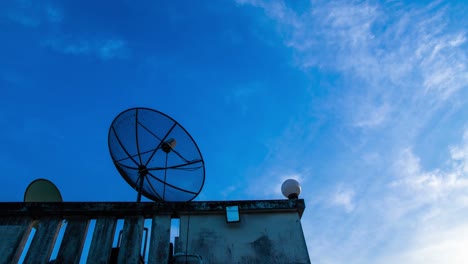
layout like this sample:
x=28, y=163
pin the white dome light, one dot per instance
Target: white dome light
x=291, y=189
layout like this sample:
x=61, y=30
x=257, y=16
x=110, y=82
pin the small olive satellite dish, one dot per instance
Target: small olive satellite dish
x=42, y=190
x=156, y=156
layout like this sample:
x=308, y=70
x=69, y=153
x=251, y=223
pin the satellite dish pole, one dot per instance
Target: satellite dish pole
x=142, y=172
x=167, y=146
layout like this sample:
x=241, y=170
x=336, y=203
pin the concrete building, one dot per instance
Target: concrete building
x=263, y=234
x=214, y=232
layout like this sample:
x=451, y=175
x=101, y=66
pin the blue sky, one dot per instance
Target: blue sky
x=364, y=102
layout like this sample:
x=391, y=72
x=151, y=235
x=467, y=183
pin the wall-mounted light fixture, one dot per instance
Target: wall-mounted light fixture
x=232, y=214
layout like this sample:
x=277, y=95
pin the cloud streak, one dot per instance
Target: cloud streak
x=344, y=198
x=391, y=57
x=435, y=200
x=32, y=15
x=105, y=49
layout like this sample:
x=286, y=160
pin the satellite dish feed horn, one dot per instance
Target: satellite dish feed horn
x=168, y=145
x=142, y=144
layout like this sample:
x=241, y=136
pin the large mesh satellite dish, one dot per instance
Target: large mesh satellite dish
x=156, y=155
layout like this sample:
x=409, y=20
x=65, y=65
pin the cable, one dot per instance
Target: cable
x=186, y=239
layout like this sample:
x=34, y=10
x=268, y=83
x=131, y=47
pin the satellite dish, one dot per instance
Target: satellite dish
x=42, y=190
x=156, y=155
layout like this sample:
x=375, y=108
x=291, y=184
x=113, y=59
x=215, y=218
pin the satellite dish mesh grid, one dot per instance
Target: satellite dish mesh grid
x=156, y=155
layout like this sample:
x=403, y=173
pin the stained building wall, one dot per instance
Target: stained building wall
x=275, y=237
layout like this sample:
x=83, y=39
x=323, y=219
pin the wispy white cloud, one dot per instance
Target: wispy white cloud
x=33, y=14
x=435, y=246
x=111, y=48
x=402, y=69
x=54, y=14
x=392, y=58
x=104, y=49
x=242, y=97
x=372, y=116
x=433, y=202
x=79, y=48
x=24, y=20
x=418, y=217
x=344, y=197
x=228, y=191
x=432, y=187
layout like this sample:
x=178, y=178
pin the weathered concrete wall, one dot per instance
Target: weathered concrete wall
x=269, y=231
x=259, y=238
